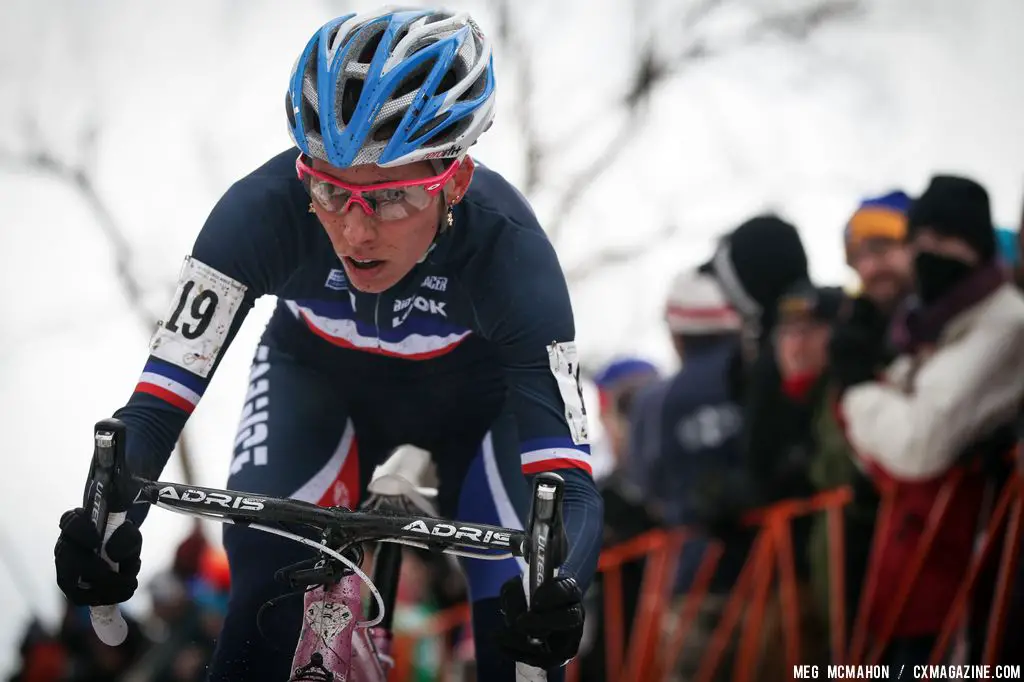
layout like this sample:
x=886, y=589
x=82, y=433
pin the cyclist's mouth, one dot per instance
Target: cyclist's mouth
x=363, y=264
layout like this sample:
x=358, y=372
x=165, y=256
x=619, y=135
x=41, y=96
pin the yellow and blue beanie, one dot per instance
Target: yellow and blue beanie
x=883, y=217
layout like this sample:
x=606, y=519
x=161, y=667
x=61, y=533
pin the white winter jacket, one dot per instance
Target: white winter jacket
x=934, y=404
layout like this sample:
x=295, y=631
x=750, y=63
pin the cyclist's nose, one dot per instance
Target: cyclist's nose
x=357, y=224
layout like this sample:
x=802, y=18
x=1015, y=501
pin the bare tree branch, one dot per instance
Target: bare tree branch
x=799, y=25
x=610, y=257
x=652, y=71
x=80, y=178
x=533, y=149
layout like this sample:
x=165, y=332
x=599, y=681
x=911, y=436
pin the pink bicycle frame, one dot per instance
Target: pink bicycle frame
x=329, y=631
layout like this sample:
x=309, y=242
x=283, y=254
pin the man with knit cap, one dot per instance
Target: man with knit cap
x=685, y=435
x=876, y=249
x=944, y=408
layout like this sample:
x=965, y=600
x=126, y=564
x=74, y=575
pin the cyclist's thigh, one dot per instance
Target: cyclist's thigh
x=294, y=440
x=491, y=489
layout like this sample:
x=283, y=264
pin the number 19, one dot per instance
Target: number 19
x=201, y=311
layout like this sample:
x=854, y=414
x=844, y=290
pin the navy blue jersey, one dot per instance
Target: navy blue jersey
x=684, y=436
x=482, y=325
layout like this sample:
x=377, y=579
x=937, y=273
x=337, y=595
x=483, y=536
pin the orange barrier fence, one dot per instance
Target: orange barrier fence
x=656, y=639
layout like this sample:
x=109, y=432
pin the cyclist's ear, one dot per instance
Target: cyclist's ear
x=459, y=184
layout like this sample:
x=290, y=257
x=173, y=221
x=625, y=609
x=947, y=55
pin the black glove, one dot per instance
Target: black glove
x=82, y=575
x=554, y=620
x=858, y=349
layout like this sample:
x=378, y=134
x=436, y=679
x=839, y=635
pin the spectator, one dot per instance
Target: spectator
x=685, y=435
x=414, y=607
x=189, y=603
x=875, y=241
x=876, y=249
x=755, y=265
x=617, y=385
x=685, y=430
x=89, y=660
x=948, y=402
x=805, y=315
x=43, y=657
x=626, y=510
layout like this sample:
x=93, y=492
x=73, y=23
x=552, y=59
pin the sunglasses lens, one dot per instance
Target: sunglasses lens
x=397, y=203
x=330, y=197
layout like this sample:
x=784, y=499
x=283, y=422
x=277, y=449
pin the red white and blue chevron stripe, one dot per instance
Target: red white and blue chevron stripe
x=171, y=384
x=548, y=454
x=419, y=338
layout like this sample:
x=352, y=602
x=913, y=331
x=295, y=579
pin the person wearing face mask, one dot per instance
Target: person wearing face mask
x=948, y=402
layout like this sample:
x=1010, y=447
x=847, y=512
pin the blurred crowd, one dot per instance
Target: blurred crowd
x=171, y=644
x=907, y=389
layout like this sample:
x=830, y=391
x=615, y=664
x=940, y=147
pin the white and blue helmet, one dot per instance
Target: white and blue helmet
x=392, y=87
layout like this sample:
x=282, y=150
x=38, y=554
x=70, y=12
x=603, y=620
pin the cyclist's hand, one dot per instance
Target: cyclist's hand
x=82, y=575
x=547, y=635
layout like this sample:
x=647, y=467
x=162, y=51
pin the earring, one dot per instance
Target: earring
x=450, y=218
x=311, y=209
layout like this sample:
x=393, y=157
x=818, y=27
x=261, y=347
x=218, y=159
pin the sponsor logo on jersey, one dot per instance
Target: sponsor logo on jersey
x=336, y=280
x=435, y=283
x=426, y=305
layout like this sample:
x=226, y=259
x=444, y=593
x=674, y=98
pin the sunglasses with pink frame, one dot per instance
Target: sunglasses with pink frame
x=384, y=201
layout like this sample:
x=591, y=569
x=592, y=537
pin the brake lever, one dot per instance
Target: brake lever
x=108, y=495
x=547, y=539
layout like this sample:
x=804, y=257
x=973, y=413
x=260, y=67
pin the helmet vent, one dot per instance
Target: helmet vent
x=426, y=129
x=478, y=88
x=414, y=81
x=370, y=48
x=350, y=98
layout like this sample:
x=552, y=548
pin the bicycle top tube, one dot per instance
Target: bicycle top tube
x=348, y=526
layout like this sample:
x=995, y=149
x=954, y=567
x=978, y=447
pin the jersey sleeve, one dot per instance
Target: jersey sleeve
x=524, y=309
x=238, y=256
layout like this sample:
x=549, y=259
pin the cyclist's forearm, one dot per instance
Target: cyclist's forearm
x=584, y=524
x=153, y=430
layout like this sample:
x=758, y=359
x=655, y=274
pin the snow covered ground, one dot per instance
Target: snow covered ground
x=187, y=96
